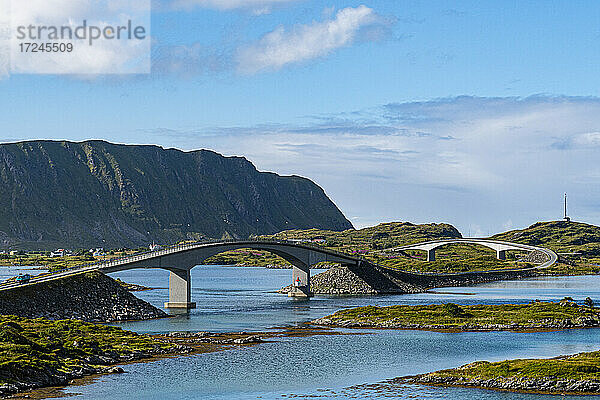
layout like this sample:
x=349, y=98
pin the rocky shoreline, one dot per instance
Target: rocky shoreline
x=519, y=384
x=27, y=379
x=550, y=324
x=534, y=316
x=106, y=362
x=27, y=382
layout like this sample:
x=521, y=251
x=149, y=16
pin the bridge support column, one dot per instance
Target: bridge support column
x=501, y=254
x=300, y=283
x=431, y=255
x=180, y=293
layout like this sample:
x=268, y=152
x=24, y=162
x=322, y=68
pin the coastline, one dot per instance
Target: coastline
x=182, y=344
x=571, y=374
x=533, y=317
x=204, y=342
x=533, y=386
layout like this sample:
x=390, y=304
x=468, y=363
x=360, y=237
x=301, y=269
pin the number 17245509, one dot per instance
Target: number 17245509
x=46, y=47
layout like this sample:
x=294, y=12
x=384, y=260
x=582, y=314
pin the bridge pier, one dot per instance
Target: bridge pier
x=431, y=255
x=501, y=254
x=300, y=283
x=180, y=293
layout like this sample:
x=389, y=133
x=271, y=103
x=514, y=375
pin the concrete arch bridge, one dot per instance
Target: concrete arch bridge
x=180, y=259
x=501, y=248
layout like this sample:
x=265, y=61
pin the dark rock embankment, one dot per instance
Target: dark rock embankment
x=372, y=279
x=91, y=296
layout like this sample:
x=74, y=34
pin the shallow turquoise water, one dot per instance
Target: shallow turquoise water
x=327, y=367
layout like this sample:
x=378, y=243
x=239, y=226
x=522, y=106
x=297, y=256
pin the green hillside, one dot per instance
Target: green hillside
x=560, y=236
x=365, y=242
x=381, y=236
x=98, y=194
x=577, y=244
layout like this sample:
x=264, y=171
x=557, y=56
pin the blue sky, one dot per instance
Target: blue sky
x=480, y=114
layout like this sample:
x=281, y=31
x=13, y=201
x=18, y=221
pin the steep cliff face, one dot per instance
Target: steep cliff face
x=96, y=193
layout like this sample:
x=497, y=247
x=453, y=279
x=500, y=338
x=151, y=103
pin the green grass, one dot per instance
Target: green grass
x=560, y=236
x=247, y=257
x=583, y=366
x=372, y=238
x=452, y=316
x=577, y=267
x=454, y=258
x=64, y=345
x=371, y=243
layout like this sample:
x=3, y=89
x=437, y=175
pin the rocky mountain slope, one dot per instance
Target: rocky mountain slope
x=94, y=193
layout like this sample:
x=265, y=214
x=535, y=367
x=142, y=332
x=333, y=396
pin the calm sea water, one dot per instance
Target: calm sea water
x=327, y=367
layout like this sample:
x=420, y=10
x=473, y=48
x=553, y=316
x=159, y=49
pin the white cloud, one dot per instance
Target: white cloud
x=257, y=6
x=588, y=139
x=49, y=11
x=484, y=164
x=104, y=56
x=304, y=42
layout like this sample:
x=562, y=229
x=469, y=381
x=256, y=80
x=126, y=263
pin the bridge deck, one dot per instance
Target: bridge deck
x=122, y=262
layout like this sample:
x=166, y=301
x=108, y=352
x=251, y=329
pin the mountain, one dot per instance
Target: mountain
x=99, y=194
x=560, y=236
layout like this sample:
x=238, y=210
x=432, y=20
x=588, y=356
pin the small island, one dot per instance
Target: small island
x=577, y=374
x=39, y=352
x=536, y=315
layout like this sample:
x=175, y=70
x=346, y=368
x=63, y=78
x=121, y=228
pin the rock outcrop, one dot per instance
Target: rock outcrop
x=374, y=279
x=91, y=296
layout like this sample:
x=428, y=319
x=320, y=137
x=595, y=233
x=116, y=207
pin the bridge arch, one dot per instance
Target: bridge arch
x=179, y=260
x=499, y=246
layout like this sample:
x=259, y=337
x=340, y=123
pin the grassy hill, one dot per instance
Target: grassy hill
x=583, y=240
x=560, y=236
x=377, y=237
x=577, y=244
x=369, y=242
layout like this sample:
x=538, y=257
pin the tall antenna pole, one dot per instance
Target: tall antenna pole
x=566, y=217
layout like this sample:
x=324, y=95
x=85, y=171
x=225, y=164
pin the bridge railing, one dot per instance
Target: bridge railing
x=144, y=255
